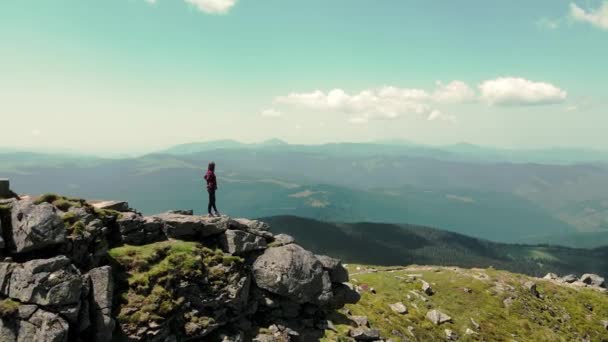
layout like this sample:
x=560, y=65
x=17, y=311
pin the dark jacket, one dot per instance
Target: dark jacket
x=211, y=181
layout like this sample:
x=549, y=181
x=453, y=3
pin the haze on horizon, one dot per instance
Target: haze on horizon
x=141, y=75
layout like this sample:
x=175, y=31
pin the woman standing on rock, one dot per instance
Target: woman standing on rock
x=211, y=187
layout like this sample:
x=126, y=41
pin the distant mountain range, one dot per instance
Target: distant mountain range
x=462, y=188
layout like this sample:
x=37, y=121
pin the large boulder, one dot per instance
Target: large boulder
x=238, y=242
x=438, y=317
x=35, y=226
x=337, y=272
x=289, y=271
x=51, y=282
x=252, y=224
x=593, y=280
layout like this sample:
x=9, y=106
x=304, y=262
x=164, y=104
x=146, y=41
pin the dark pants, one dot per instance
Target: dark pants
x=211, y=201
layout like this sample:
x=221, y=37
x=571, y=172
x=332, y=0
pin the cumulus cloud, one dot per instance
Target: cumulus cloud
x=271, y=113
x=597, y=17
x=454, y=92
x=213, y=6
x=513, y=91
x=208, y=6
x=384, y=103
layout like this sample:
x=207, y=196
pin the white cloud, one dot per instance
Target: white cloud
x=597, y=17
x=454, y=92
x=213, y=6
x=513, y=91
x=384, y=103
x=271, y=113
x=208, y=6
x=36, y=132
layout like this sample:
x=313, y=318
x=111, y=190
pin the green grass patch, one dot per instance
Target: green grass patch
x=562, y=314
x=153, y=270
x=8, y=307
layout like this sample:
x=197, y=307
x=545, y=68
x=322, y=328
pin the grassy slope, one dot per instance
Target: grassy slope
x=561, y=315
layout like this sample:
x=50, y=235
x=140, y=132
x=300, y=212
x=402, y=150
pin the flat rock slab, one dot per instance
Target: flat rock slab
x=120, y=206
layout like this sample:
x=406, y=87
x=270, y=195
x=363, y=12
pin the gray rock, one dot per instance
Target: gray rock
x=364, y=334
x=398, y=308
x=337, y=272
x=239, y=242
x=35, y=226
x=570, y=278
x=325, y=299
x=120, y=206
x=551, y=276
x=102, y=286
x=282, y=240
x=360, y=321
x=426, y=288
x=252, y=224
x=438, y=317
x=450, y=335
x=605, y=324
x=188, y=226
x=593, y=280
x=181, y=212
x=344, y=294
x=289, y=271
x=47, y=282
x=531, y=287
x=41, y=325
x=2, y=244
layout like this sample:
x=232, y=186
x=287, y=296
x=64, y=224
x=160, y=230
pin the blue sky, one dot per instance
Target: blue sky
x=137, y=75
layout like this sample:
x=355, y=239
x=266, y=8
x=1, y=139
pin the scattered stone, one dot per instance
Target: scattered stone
x=570, y=278
x=551, y=276
x=426, y=288
x=475, y=324
x=360, y=321
x=470, y=332
x=593, y=280
x=507, y=302
x=364, y=334
x=605, y=324
x=120, y=206
x=531, y=287
x=467, y=290
x=398, y=308
x=35, y=226
x=450, y=335
x=437, y=317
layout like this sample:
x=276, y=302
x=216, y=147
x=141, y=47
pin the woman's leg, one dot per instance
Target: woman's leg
x=210, y=203
x=213, y=202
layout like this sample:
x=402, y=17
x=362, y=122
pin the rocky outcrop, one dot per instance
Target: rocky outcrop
x=74, y=271
x=35, y=226
x=593, y=280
